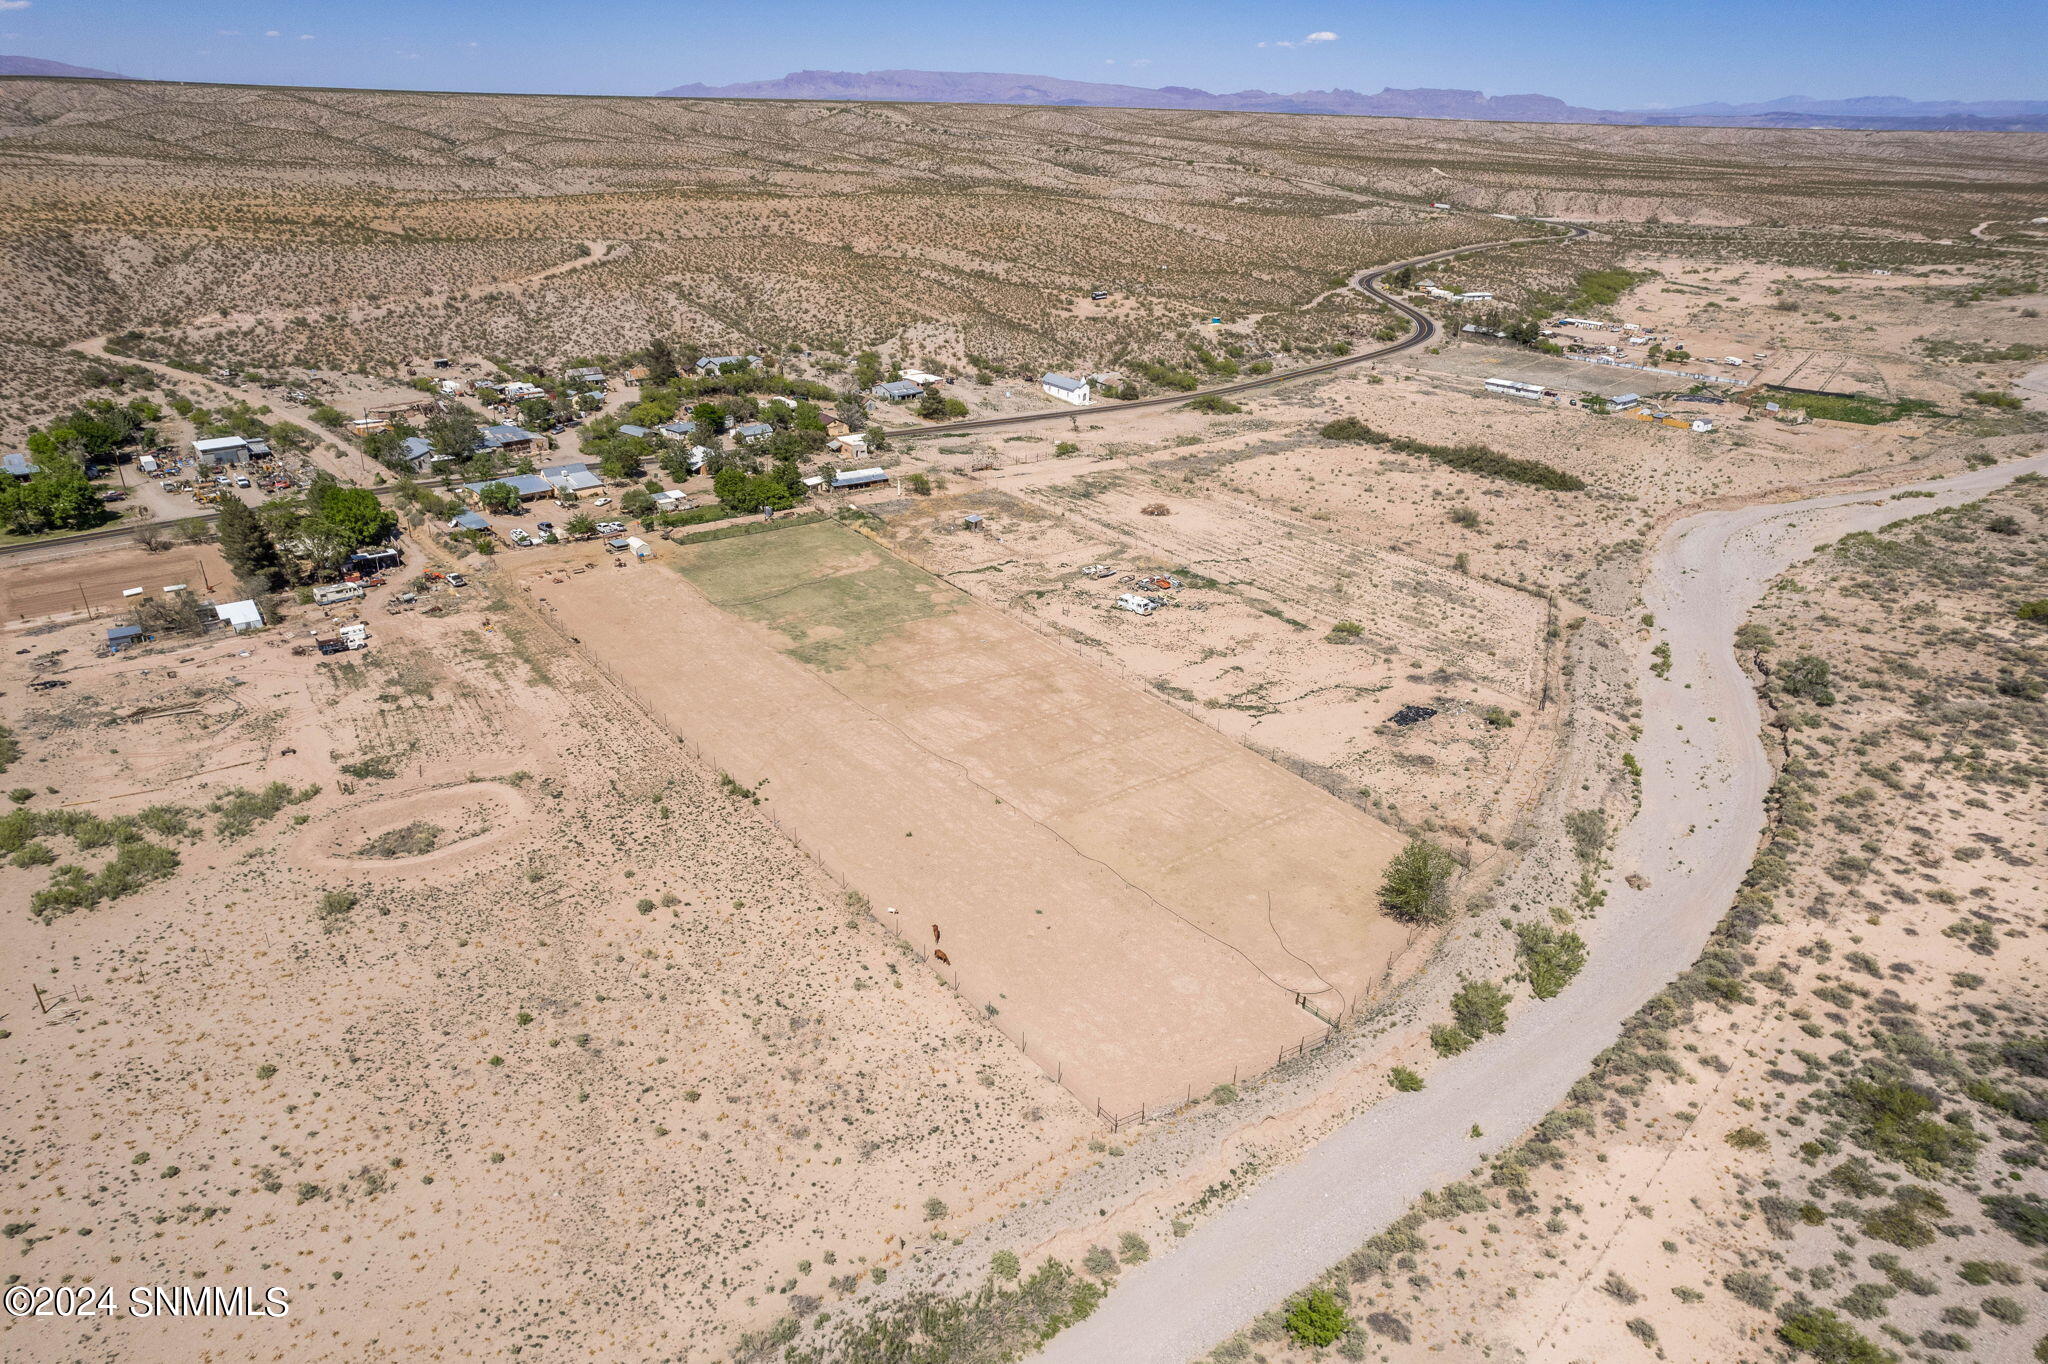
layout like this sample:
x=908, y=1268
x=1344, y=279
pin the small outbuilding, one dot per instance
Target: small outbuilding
x=897, y=390
x=859, y=478
x=242, y=615
x=222, y=450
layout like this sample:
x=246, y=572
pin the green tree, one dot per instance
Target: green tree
x=1552, y=957
x=1416, y=887
x=1828, y=1338
x=499, y=497
x=1317, y=1318
x=355, y=516
x=247, y=546
x=1809, y=676
x=58, y=496
x=1480, y=1007
x=454, y=435
x=579, y=526
x=660, y=359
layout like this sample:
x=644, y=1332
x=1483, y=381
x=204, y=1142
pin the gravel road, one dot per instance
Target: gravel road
x=1705, y=775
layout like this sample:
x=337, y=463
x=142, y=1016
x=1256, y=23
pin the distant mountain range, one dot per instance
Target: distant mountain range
x=36, y=66
x=984, y=87
x=1877, y=112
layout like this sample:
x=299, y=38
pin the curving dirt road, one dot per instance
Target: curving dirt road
x=1705, y=774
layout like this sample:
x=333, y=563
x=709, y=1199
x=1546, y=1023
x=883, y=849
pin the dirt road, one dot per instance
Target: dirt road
x=1705, y=774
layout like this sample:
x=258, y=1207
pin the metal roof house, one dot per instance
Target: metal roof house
x=417, y=451
x=753, y=431
x=716, y=364
x=590, y=373
x=506, y=436
x=631, y=430
x=21, y=466
x=574, y=478
x=222, y=449
x=859, y=478
x=1067, y=389
x=125, y=634
x=677, y=430
x=528, y=486
x=468, y=521
x=897, y=390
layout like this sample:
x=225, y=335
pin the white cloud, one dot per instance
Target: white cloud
x=1319, y=36
x=272, y=33
x=13, y=4
x=1141, y=61
x=305, y=37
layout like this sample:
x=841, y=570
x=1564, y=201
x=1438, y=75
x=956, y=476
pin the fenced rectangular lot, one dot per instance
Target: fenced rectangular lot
x=1135, y=898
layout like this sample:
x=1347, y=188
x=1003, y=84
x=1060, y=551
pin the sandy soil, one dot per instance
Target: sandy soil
x=1152, y=905
x=93, y=582
x=1682, y=859
x=735, y=1092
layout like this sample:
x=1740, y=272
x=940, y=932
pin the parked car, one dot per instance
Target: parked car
x=457, y=580
x=600, y=502
x=520, y=537
x=242, y=482
x=545, y=527
x=611, y=527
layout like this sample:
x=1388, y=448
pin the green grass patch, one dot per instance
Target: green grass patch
x=1860, y=409
x=829, y=591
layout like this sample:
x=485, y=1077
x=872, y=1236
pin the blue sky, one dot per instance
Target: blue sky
x=1653, y=52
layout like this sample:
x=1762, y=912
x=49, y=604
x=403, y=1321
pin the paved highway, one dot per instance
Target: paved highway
x=1365, y=281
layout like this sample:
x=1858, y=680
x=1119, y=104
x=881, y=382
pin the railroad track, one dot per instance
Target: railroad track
x=1365, y=281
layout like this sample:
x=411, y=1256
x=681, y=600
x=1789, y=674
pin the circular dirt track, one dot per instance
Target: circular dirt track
x=467, y=819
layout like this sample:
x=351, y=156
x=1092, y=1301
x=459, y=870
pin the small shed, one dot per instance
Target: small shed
x=242, y=615
x=120, y=636
x=468, y=521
